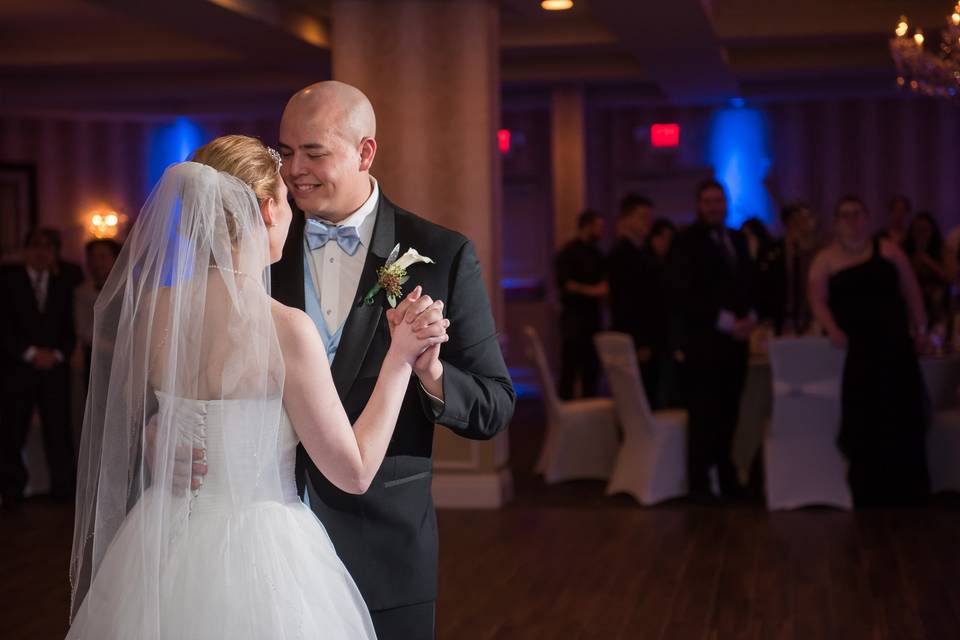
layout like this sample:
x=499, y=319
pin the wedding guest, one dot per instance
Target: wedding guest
x=37, y=337
x=924, y=247
x=757, y=236
x=629, y=271
x=664, y=368
x=951, y=255
x=864, y=293
x=899, y=209
x=69, y=272
x=784, y=271
x=583, y=286
x=714, y=281
x=101, y=254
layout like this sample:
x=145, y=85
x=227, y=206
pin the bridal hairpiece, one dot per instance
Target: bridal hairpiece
x=276, y=156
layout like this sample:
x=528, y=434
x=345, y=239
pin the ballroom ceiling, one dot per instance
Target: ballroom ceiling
x=243, y=56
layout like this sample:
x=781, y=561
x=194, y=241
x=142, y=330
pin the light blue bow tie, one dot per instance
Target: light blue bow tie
x=318, y=234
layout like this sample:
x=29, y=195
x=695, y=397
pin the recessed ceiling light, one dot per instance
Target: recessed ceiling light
x=556, y=5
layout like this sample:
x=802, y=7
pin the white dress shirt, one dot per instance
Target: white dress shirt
x=335, y=274
x=40, y=280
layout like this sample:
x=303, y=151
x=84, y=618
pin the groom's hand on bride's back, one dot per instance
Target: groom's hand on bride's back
x=189, y=463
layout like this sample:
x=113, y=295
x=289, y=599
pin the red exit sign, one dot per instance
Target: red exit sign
x=665, y=135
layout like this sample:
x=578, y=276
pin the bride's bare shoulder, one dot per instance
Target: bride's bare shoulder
x=293, y=325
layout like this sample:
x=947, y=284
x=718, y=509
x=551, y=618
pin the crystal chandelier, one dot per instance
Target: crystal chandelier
x=925, y=72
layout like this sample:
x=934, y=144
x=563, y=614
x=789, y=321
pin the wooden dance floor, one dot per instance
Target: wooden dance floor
x=566, y=562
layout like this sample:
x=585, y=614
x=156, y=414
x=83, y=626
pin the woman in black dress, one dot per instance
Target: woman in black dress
x=864, y=293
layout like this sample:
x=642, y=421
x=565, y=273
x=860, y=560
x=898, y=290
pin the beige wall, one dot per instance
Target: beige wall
x=568, y=161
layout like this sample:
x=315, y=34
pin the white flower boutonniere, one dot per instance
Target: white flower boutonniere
x=392, y=275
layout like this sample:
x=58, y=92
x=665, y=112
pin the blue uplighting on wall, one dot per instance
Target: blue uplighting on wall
x=739, y=151
x=172, y=143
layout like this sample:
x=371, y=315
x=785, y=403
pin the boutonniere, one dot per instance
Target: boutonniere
x=393, y=274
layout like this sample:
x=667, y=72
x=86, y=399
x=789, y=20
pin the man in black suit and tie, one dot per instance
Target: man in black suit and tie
x=785, y=270
x=714, y=284
x=631, y=269
x=344, y=229
x=37, y=337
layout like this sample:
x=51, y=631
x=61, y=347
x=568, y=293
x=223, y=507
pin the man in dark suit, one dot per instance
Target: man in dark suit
x=38, y=338
x=632, y=271
x=343, y=231
x=581, y=277
x=784, y=270
x=714, y=287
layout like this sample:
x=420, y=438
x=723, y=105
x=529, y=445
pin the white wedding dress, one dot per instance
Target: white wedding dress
x=244, y=561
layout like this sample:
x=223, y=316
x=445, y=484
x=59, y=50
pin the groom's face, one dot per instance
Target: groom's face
x=320, y=165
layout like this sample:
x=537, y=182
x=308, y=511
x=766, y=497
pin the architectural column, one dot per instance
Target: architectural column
x=431, y=70
x=568, y=151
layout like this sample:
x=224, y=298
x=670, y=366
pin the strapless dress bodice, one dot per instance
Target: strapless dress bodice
x=250, y=449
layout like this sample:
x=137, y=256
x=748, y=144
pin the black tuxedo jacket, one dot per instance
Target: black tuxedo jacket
x=22, y=325
x=707, y=281
x=387, y=537
x=638, y=304
x=772, y=284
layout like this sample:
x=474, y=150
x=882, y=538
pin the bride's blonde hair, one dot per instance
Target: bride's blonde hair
x=246, y=158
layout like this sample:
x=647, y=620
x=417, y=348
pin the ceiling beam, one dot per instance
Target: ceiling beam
x=257, y=28
x=675, y=44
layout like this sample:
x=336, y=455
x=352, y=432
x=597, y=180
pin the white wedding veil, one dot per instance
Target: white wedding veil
x=183, y=323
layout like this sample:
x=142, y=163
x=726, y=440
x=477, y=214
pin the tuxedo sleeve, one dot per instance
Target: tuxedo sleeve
x=478, y=396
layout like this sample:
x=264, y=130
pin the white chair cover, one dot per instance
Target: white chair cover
x=652, y=463
x=943, y=451
x=802, y=462
x=582, y=437
x=942, y=375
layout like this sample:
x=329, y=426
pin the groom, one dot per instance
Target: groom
x=344, y=230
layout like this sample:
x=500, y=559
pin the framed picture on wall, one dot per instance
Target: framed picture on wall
x=18, y=207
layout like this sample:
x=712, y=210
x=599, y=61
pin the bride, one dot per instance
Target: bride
x=191, y=353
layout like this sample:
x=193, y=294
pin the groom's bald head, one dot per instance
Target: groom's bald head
x=327, y=140
x=338, y=105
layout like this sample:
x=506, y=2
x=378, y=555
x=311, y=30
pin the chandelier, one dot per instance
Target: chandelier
x=925, y=72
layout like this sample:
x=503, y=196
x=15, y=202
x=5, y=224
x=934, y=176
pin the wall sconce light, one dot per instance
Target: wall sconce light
x=105, y=223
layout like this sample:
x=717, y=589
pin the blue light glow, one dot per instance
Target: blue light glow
x=171, y=143
x=740, y=154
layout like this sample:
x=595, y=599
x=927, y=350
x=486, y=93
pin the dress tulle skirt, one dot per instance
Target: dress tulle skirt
x=265, y=572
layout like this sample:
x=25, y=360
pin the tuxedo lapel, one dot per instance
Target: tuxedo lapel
x=361, y=323
x=287, y=274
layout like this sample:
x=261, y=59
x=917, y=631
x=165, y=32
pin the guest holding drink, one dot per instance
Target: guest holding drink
x=864, y=293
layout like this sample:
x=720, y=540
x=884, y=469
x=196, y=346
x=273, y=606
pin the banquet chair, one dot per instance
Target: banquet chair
x=943, y=450
x=582, y=436
x=803, y=464
x=652, y=462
